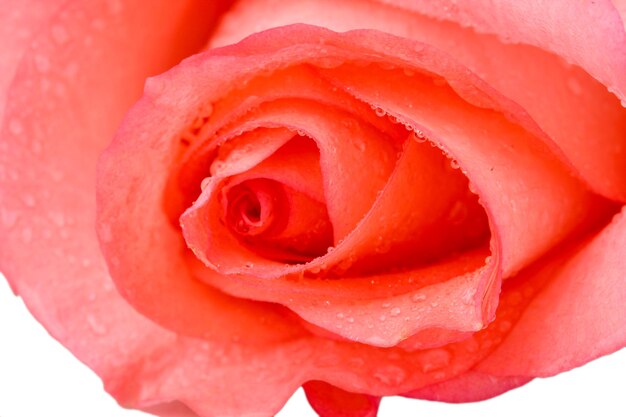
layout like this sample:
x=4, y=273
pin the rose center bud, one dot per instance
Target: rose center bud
x=274, y=216
x=252, y=207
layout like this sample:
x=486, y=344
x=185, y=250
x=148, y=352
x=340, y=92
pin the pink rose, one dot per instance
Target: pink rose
x=366, y=198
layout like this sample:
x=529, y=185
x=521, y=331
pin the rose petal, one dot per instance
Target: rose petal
x=513, y=171
x=341, y=147
x=330, y=401
x=415, y=299
x=568, y=104
x=469, y=387
x=589, y=34
x=579, y=316
x=47, y=205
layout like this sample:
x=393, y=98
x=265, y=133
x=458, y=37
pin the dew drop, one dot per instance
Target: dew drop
x=416, y=298
x=350, y=319
x=106, y=233
x=59, y=34
x=27, y=235
x=316, y=269
x=42, y=63
x=56, y=175
x=382, y=318
x=454, y=164
x=390, y=375
x=395, y=311
x=386, y=305
x=458, y=213
x=98, y=24
x=36, y=147
x=420, y=136
x=514, y=298
x=434, y=360
x=57, y=218
x=574, y=86
x=115, y=6
x=379, y=112
x=205, y=182
x=340, y=316
x=8, y=217
x=15, y=127
x=504, y=326
x=29, y=200
x=95, y=325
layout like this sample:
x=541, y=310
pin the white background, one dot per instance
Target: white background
x=39, y=378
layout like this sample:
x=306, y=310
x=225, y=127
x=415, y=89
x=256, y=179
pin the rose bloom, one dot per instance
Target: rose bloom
x=214, y=203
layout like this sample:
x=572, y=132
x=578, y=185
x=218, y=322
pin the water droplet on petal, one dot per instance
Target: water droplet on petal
x=27, y=235
x=42, y=63
x=390, y=375
x=416, y=298
x=106, y=233
x=433, y=360
x=15, y=127
x=420, y=136
x=395, y=311
x=96, y=326
x=205, y=182
x=59, y=34
x=504, y=326
x=29, y=200
x=574, y=86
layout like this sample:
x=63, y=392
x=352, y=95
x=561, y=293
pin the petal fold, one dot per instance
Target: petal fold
x=330, y=401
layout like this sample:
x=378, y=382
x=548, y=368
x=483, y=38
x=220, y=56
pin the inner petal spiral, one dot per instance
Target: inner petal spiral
x=277, y=221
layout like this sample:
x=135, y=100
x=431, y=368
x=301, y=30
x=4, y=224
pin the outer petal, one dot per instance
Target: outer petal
x=330, y=401
x=469, y=387
x=76, y=92
x=590, y=33
x=579, y=316
x=20, y=23
x=568, y=104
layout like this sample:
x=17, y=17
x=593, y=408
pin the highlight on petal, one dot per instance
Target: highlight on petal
x=47, y=205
